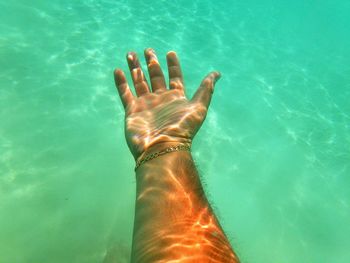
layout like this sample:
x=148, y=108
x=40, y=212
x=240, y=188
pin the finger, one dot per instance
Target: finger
x=175, y=74
x=138, y=78
x=205, y=91
x=124, y=91
x=155, y=72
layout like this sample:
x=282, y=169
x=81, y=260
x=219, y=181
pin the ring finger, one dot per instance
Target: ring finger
x=137, y=75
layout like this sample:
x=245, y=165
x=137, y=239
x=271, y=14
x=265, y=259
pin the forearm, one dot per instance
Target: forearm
x=173, y=219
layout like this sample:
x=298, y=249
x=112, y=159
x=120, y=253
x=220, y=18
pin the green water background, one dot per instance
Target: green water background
x=274, y=151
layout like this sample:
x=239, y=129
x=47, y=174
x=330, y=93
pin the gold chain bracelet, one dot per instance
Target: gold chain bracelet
x=180, y=147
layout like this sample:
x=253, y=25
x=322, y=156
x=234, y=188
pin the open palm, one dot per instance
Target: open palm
x=159, y=115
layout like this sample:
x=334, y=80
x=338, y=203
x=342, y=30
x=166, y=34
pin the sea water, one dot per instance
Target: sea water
x=274, y=151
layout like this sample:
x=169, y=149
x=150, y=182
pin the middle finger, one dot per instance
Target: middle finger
x=155, y=72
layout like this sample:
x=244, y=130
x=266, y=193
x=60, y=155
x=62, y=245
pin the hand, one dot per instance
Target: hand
x=161, y=116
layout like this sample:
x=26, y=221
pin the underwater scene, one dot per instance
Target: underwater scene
x=273, y=152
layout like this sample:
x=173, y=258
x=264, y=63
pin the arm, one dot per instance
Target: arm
x=173, y=219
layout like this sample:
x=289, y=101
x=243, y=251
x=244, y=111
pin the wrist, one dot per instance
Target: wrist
x=160, y=149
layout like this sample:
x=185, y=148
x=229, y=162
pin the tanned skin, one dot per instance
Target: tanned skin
x=174, y=221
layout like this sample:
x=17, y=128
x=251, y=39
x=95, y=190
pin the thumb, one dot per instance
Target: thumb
x=205, y=91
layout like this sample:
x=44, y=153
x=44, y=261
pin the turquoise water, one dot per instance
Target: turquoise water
x=274, y=151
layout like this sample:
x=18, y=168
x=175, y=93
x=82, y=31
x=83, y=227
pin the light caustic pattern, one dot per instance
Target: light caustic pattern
x=275, y=151
x=163, y=115
x=173, y=219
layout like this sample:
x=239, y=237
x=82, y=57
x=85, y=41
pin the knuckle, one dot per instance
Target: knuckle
x=208, y=82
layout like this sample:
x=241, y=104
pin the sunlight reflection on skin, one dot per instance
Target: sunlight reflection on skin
x=163, y=115
x=173, y=219
x=175, y=122
x=188, y=232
